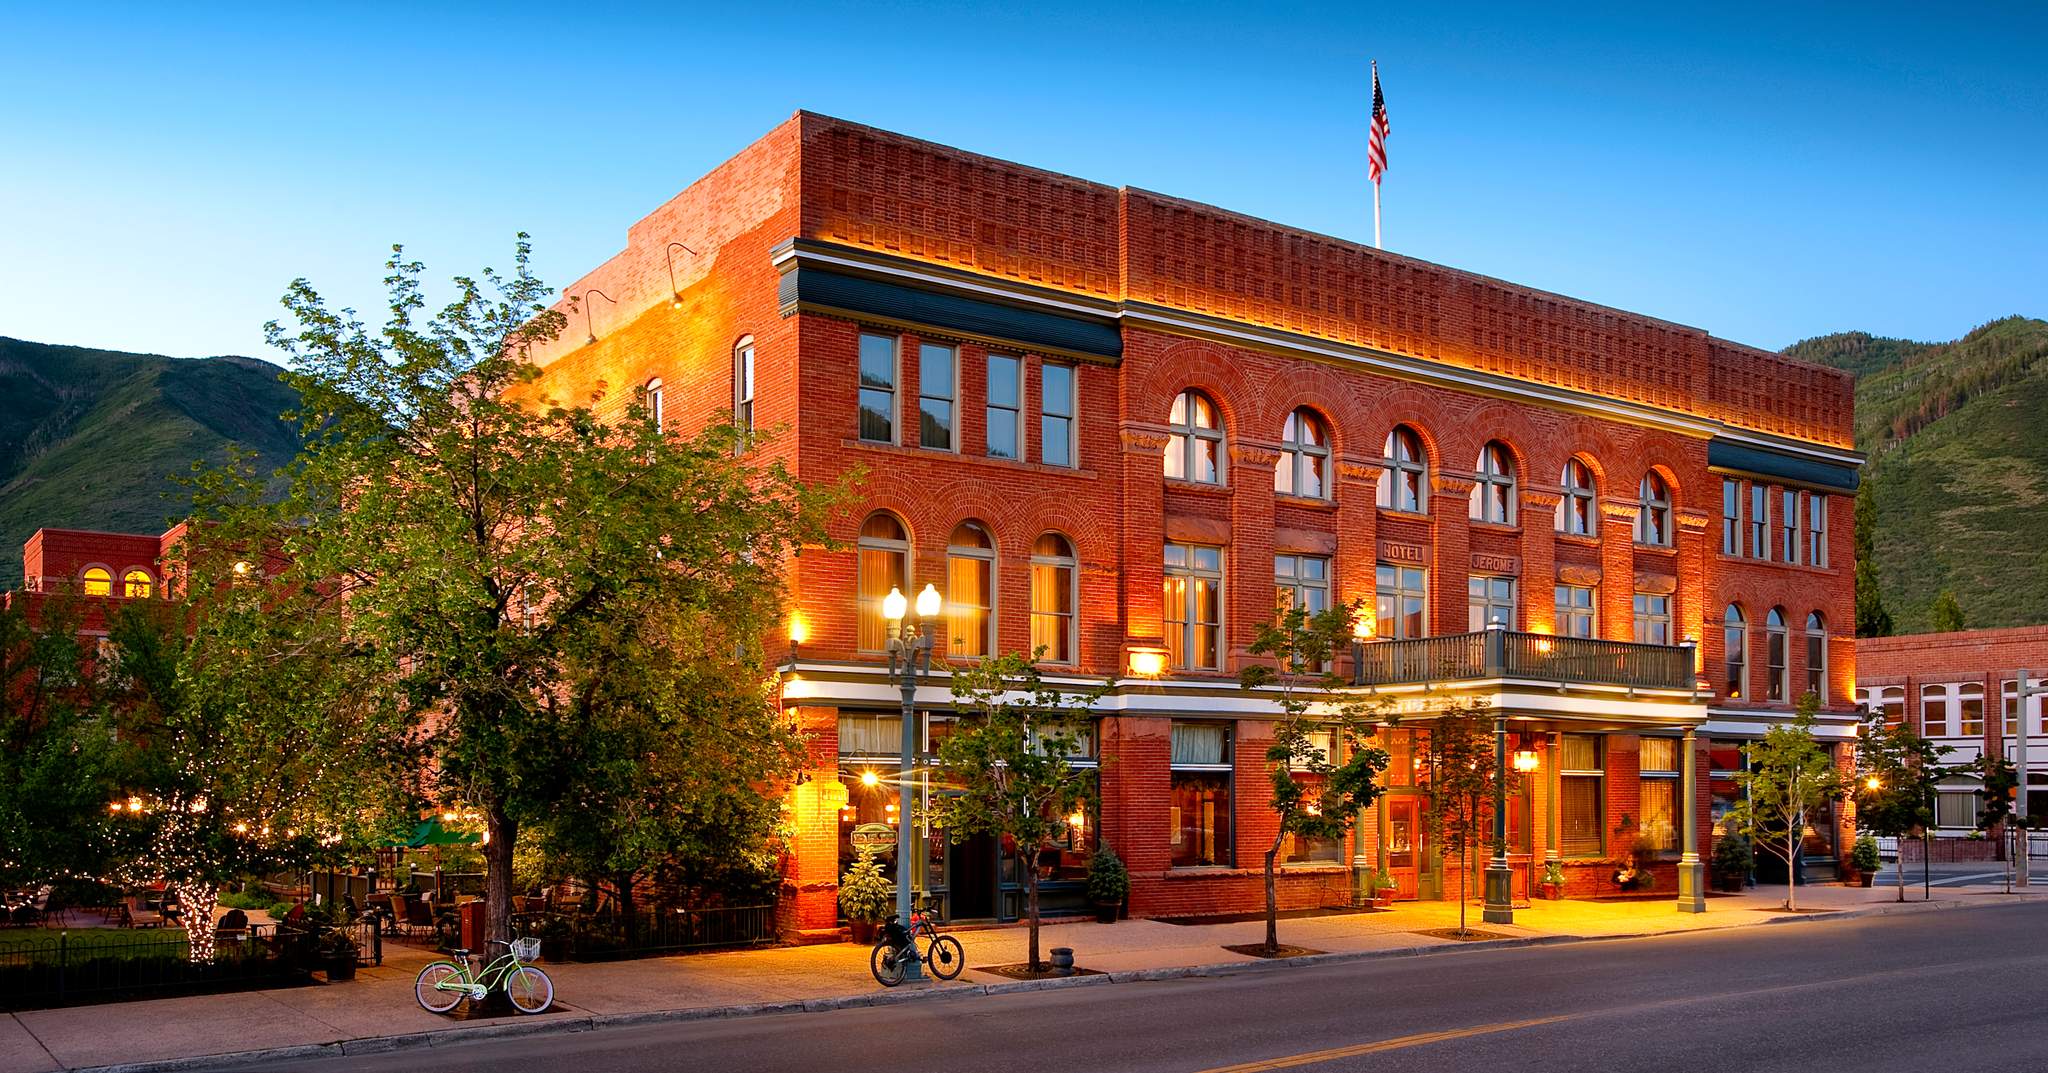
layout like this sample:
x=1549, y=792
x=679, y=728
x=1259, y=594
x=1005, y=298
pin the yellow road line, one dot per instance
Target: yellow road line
x=1395, y=1044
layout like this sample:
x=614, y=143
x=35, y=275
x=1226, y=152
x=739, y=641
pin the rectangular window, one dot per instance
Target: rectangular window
x=878, y=388
x=1788, y=523
x=938, y=376
x=1816, y=662
x=862, y=734
x=1194, y=607
x=970, y=604
x=1057, y=405
x=1198, y=814
x=1489, y=600
x=1581, y=819
x=1816, y=529
x=1778, y=679
x=1955, y=809
x=1891, y=700
x=1759, y=522
x=1653, y=619
x=1400, y=601
x=1005, y=405
x=1302, y=581
x=1053, y=599
x=1934, y=721
x=1575, y=611
x=1970, y=709
x=1660, y=778
x=743, y=386
x=1731, y=517
x=2010, y=692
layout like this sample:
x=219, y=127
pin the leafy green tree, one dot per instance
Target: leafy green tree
x=1314, y=796
x=674, y=749
x=1872, y=620
x=249, y=747
x=1897, y=770
x=57, y=751
x=2001, y=789
x=1463, y=782
x=1008, y=765
x=1946, y=615
x=491, y=543
x=1790, y=774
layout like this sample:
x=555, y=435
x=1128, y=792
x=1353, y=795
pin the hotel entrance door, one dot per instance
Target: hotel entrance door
x=1404, y=844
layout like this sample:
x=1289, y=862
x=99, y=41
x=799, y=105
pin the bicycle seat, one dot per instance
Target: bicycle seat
x=458, y=952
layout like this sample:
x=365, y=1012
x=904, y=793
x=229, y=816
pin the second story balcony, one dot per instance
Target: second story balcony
x=1541, y=657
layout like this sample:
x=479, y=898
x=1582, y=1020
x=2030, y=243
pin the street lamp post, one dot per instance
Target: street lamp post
x=910, y=659
x=1500, y=880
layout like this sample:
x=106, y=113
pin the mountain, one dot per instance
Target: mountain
x=93, y=439
x=1958, y=467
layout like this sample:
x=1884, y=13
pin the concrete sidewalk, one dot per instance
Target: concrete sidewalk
x=377, y=1010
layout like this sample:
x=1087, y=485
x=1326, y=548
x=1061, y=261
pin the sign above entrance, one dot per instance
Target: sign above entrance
x=873, y=836
x=1395, y=551
x=1483, y=563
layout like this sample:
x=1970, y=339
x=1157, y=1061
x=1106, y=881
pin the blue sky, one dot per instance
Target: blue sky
x=165, y=172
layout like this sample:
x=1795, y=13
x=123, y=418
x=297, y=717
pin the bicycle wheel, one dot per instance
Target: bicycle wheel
x=530, y=989
x=947, y=957
x=882, y=961
x=434, y=998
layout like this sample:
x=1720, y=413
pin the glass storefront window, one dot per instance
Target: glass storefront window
x=1198, y=812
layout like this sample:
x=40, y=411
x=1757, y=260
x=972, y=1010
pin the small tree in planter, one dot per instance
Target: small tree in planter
x=866, y=895
x=1458, y=803
x=1732, y=862
x=1314, y=795
x=1380, y=887
x=1011, y=760
x=1790, y=775
x=1552, y=886
x=1895, y=785
x=1109, y=883
x=1865, y=860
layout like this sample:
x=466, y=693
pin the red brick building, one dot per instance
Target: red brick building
x=1122, y=425
x=91, y=568
x=1962, y=690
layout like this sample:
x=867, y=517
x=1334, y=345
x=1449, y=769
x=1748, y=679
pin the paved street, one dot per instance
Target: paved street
x=1911, y=992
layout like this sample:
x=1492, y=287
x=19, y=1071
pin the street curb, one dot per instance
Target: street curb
x=586, y=1022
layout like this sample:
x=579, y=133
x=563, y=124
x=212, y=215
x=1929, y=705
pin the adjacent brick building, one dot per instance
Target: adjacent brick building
x=1122, y=425
x=1962, y=691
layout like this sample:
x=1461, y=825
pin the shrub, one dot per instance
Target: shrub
x=865, y=892
x=1732, y=856
x=1863, y=856
x=1108, y=881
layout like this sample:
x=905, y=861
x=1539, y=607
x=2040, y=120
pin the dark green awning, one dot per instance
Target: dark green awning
x=1778, y=465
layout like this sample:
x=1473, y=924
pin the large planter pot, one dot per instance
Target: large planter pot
x=1105, y=912
x=341, y=968
x=863, y=931
x=1550, y=892
x=1383, y=901
x=1863, y=878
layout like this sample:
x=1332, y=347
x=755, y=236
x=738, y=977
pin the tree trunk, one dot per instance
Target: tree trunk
x=629, y=917
x=196, y=900
x=1792, y=869
x=1030, y=867
x=1464, y=867
x=500, y=833
x=1901, y=866
x=1273, y=898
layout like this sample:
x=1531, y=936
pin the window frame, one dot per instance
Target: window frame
x=990, y=407
x=1735, y=653
x=1817, y=646
x=1069, y=418
x=1817, y=529
x=1390, y=600
x=1731, y=517
x=1069, y=562
x=1300, y=455
x=1653, y=510
x=1788, y=524
x=1645, y=616
x=652, y=401
x=1598, y=777
x=1777, y=657
x=743, y=386
x=1494, y=486
x=1944, y=694
x=925, y=351
x=988, y=559
x=894, y=412
x=1184, y=442
x=1760, y=522
x=869, y=617
x=1480, y=597
x=1189, y=626
x=1568, y=612
x=128, y=584
x=1579, y=513
x=1964, y=693
x=1404, y=474
x=1224, y=834
x=1668, y=778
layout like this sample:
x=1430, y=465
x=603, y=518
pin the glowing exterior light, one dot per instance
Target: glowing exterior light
x=1873, y=783
x=1077, y=820
x=871, y=780
x=241, y=828
x=1148, y=662
x=1525, y=760
x=241, y=568
x=448, y=817
x=799, y=628
x=114, y=806
x=1363, y=627
x=929, y=603
x=135, y=804
x=894, y=606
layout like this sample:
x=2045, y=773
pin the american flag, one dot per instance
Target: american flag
x=1376, y=148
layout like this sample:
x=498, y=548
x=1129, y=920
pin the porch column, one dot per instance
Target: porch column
x=1555, y=825
x=1692, y=875
x=1500, y=881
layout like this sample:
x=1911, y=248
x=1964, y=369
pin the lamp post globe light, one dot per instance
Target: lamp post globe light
x=910, y=659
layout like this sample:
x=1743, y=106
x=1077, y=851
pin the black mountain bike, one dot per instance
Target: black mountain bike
x=943, y=956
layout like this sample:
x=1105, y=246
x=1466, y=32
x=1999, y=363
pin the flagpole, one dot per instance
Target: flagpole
x=1376, y=216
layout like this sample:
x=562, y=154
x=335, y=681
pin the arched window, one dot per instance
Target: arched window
x=1493, y=497
x=970, y=591
x=1195, y=450
x=884, y=564
x=652, y=401
x=1304, y=468
x=1576, y=514
x=1404, y=483
x=1055, y=593
x=97, y=581
x=136, y=584
x=743, y=384
x=1777, y=683
x=1653, y=521
x=1735, y=644
x=1817, y=656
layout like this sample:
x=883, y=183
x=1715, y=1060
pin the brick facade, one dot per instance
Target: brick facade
x=1902, y=670
x=1263, y=320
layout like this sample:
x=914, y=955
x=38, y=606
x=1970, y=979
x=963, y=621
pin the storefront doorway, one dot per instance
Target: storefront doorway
x=971, y=874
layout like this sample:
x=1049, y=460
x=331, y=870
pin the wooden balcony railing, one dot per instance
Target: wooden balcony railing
x=1501, y=653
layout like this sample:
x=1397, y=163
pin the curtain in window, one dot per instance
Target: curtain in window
x=870, y=735
x=1201, y=743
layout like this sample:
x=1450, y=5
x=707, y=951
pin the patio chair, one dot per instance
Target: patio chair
x=232, y=927
x=136, y=914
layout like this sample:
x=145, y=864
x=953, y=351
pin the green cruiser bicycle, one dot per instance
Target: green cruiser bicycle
x=443, y=985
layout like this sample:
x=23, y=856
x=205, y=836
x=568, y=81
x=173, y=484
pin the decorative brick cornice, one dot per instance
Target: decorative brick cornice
x=1451, y=484
x=1145, y=439
x=1253, y=454
x=1537, y=499
x=1359, y=469
x=1620, y=511
x=1694, y=521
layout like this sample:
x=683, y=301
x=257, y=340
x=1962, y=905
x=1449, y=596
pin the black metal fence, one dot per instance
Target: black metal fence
x=1500, y=653
x=604, y=936
x=62, y=968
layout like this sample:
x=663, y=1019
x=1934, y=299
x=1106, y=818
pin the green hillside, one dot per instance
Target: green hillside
x=91, y=439
x=1958, y=466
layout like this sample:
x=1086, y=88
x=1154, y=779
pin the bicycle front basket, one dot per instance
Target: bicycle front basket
x=526, y=949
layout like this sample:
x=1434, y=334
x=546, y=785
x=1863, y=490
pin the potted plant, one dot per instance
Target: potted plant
x=1732, y=863
x=1109, y=883
x=1551, y=888
x=1383, y=888
x=336, y=949
x=1864, y=860
x=865, y=894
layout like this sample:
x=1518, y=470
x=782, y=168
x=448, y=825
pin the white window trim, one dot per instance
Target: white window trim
x=1072, y=565
x=988, y=557
x=1188, y=623
x=895, y=388
x=1072, y=416
x=1189, y=432
x=953, y=431
x=1021, y=449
